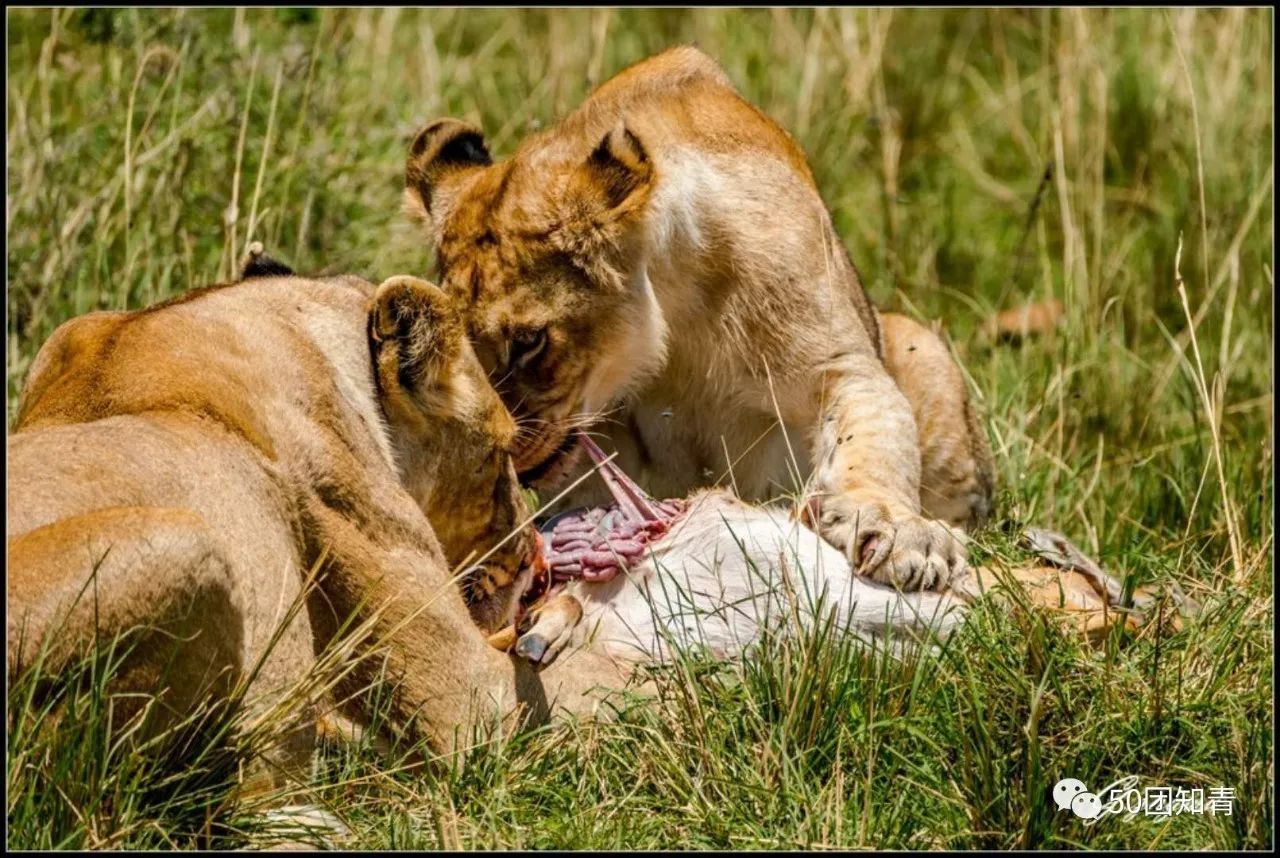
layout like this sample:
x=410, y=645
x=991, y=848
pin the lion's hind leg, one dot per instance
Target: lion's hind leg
x=956, y=475
x=78, y=584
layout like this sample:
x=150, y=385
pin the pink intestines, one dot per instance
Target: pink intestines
x=596, y=544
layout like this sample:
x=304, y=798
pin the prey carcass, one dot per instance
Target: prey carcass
x=641, y=579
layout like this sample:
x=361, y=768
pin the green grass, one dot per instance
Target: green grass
x=147, y=148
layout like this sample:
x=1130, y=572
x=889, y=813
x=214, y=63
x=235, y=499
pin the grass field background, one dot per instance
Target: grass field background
x=1117, y=161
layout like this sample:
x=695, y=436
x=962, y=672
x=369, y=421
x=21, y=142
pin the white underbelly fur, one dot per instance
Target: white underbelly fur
x=728, y=572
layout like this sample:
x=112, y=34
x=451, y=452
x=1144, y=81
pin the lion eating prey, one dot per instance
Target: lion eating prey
x=247, y=471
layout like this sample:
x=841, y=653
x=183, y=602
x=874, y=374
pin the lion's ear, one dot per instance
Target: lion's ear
x=417, y=339
x=617, y=175
x=603, y=203
x=442, y=151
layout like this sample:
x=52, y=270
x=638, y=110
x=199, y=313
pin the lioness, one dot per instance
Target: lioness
x=663, y=251
x=205, y=456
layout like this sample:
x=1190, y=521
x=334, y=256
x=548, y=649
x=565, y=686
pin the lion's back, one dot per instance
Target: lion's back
x=678, y=99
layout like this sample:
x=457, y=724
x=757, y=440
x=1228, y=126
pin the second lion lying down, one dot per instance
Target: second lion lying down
x=246, y=470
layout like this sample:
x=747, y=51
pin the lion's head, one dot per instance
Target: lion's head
x=453, y=442
x=545, y=253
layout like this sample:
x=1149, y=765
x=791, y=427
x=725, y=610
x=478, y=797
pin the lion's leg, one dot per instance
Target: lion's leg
x=956, y=473
x=75, y=584
x=867, y=479
x=156, y=570
x=412, y=638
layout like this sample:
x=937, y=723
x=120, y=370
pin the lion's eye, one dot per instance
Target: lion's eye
x=528, y=346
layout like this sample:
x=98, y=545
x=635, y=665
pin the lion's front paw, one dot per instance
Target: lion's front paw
x=899, y=548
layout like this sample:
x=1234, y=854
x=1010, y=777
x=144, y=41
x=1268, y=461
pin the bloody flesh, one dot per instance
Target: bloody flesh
x=596, y=544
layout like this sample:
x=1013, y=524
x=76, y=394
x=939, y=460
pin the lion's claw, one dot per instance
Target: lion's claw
x=899, y=548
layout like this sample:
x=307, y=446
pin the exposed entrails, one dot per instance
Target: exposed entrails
x=596, y=544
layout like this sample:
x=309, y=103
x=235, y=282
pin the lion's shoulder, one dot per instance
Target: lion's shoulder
x=680, y=101
x=242, y=355
x=673, y=69
x=76, y=343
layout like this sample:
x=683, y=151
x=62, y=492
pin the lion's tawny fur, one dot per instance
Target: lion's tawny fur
x=274, y=443
x=663, y=255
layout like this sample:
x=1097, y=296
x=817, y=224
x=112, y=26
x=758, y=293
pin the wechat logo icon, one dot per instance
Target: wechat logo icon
x=1071, y=794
